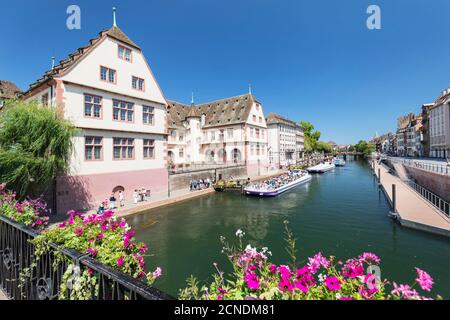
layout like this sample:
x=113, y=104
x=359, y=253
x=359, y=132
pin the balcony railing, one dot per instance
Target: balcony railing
x=43, y=280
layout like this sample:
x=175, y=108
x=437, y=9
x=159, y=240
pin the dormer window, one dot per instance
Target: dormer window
x=124, y=53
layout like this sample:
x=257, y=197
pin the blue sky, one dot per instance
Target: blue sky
x=309, y=60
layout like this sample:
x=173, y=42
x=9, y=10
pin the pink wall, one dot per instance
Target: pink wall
x=86, y=192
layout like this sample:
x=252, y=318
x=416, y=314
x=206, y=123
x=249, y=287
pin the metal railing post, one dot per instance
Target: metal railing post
x=394, y=198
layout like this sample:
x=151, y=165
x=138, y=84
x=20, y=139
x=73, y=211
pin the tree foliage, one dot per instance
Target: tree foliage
x=35, y=145
x=364, y=147
x=311, y=137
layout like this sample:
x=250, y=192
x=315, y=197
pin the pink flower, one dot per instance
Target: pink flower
x=143, y=249
x=62, y=225
x=285, y=271
x=219, y=297
x=369, y=257
x=78, y=231
x=92, y=251
x=273, y=268
x=100, y=236
x=404, y=291
x=316, y=262
x=120, y=262
x=285, y=285
x=333, y=283
x=304, y=282
x=252, y=280
x=353, y=268
x=222, y=291
x=424, y=280
x=304, y=271
x=157, y=273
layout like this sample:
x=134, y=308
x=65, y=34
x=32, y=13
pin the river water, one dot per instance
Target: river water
x=340, y=213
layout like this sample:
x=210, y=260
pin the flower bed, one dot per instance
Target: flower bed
x=104, y=237
x=29, y=212
x=318, y=278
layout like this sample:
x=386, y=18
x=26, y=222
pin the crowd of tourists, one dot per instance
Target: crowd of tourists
x=278, y=182
x=111, y=203
x=200, y=184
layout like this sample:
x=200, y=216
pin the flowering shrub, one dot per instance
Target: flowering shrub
x=104, y=237
x=317, y=278
x=29, y=212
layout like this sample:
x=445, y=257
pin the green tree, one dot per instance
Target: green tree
x=324, y=147
x=311, y=137
x=364, y=147
x=35, y=146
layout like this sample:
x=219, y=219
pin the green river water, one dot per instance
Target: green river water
x=340, y=213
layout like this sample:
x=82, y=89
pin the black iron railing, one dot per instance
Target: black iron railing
x=439, y=203
x=21, y=278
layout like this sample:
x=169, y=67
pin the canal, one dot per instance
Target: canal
x=339, y=213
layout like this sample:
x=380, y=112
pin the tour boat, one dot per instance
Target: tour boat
x=271, y=192
x=321, y=168
x=338, y=162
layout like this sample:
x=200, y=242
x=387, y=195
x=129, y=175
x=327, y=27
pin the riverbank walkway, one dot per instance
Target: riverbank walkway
x=413, y=211
x=131, y=208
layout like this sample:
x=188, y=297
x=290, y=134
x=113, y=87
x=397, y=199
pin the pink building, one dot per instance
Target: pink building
x=109, y=92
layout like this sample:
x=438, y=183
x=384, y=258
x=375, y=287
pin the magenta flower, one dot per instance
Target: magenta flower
x=353, y=268
x=369, y=257
x=404, y=291
x=285, y=271
x=92, y=251
x=252, y=280
x=304, y=271
x=316, y=262
x=273, y=268
x=100, y=236
x=120, y=262
x=62, y=225
x=285, y=285
x=333, y=283
x=78, y=231
x=424, y=280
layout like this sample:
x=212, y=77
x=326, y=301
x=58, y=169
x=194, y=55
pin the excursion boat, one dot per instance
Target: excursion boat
x=338, y=162
x=254, y=190
x=321, y=168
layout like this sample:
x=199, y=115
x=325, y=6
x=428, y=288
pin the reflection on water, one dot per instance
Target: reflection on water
x=340, y=213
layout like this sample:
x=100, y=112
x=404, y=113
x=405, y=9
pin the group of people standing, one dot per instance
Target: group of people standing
x=200, y=184
x=111, y=203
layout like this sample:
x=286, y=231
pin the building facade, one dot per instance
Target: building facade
x=8, y=90
x=110, y=94
x=286, y=141
x=229, y=131
x=439, y=122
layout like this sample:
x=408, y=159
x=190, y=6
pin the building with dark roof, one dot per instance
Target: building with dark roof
x=225, y=131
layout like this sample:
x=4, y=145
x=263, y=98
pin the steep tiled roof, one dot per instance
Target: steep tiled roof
x=8, y=90
x=74, y=57
x=442, y=98
x=193, y=112
x=233, y=110
x=273, y=118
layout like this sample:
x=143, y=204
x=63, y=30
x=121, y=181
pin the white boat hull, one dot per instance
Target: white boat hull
x=275, y=192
